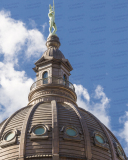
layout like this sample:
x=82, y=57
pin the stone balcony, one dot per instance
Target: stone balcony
x=52, y=80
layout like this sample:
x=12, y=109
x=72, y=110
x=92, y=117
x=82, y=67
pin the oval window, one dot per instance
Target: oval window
x=99, y=139
x=120, y=150
x=39, y=131
x=10, y=136
x=71, y=132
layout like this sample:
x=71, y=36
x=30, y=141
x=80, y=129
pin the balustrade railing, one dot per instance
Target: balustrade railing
x=52, y=80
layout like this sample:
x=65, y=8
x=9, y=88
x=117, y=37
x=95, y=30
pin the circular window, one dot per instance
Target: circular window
x=39, y=131
x=99, y=139
x=71, y=132
x=9, y=136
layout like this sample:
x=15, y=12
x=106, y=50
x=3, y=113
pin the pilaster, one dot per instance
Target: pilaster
x=55, y=131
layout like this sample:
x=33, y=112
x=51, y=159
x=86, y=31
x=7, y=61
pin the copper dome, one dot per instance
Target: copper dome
x=52, y=126
x=56, y=117
x=53, y=52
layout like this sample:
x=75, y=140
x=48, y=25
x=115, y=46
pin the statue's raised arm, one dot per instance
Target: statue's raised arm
x=51, y=16
x=53, y=6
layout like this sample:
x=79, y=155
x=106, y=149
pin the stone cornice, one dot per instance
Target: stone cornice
x=52, y=87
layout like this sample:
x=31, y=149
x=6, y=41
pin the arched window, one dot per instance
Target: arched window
x=45, y=77
x=65, y=79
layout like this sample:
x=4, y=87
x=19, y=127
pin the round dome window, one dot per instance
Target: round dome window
x=120, y=150
x=99, y=139
x=71, y=132
x=39, y=131
x=9, y=136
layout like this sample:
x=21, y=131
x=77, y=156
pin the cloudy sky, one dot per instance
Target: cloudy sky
x=94, y=37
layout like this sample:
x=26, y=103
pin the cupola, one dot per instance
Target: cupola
x=52, y=76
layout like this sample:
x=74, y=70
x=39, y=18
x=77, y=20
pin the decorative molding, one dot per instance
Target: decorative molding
x=72, y=156
x=55, y=131
x=37, y=156
x=104, y=145
x=51, y=92
x=50, y=98
x=52, y=86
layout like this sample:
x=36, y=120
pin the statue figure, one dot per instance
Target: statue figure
x=51, y=16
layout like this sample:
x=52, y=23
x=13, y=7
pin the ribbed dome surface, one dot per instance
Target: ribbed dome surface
x=53, y=52
x=68, y=116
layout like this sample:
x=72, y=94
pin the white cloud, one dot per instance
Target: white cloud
x=32, y=23
x=96, y=104
x=15, y=39
x=14, y=89
x=124, y=132
x=44, y=26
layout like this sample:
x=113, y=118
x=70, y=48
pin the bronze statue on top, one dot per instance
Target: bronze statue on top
x=51, y=16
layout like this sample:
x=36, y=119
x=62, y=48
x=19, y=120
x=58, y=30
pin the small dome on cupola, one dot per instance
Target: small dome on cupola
x=53, y=51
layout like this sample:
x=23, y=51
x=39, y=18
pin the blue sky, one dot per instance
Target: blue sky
x=93, y=36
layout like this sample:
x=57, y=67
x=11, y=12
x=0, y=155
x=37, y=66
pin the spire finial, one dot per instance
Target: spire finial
x=51, y=16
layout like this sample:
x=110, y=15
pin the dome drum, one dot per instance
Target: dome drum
x=49, y=92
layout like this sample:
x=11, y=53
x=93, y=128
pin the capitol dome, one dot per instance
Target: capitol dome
x=52, y=126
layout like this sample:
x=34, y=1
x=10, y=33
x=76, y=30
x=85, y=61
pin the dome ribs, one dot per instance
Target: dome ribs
x=87, y=142
x=115, y=139
x=55, y=131
x=70, y=148
x=22, y=147
x=112, y=149
x=12, y=151
x=39, y=147
x=7, y=121
x=93, y=126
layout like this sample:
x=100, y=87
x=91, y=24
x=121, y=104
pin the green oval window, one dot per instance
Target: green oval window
x=71, y=132
x=120, y=150
x=10, y=136
x=99, y=139
x=39, y=131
